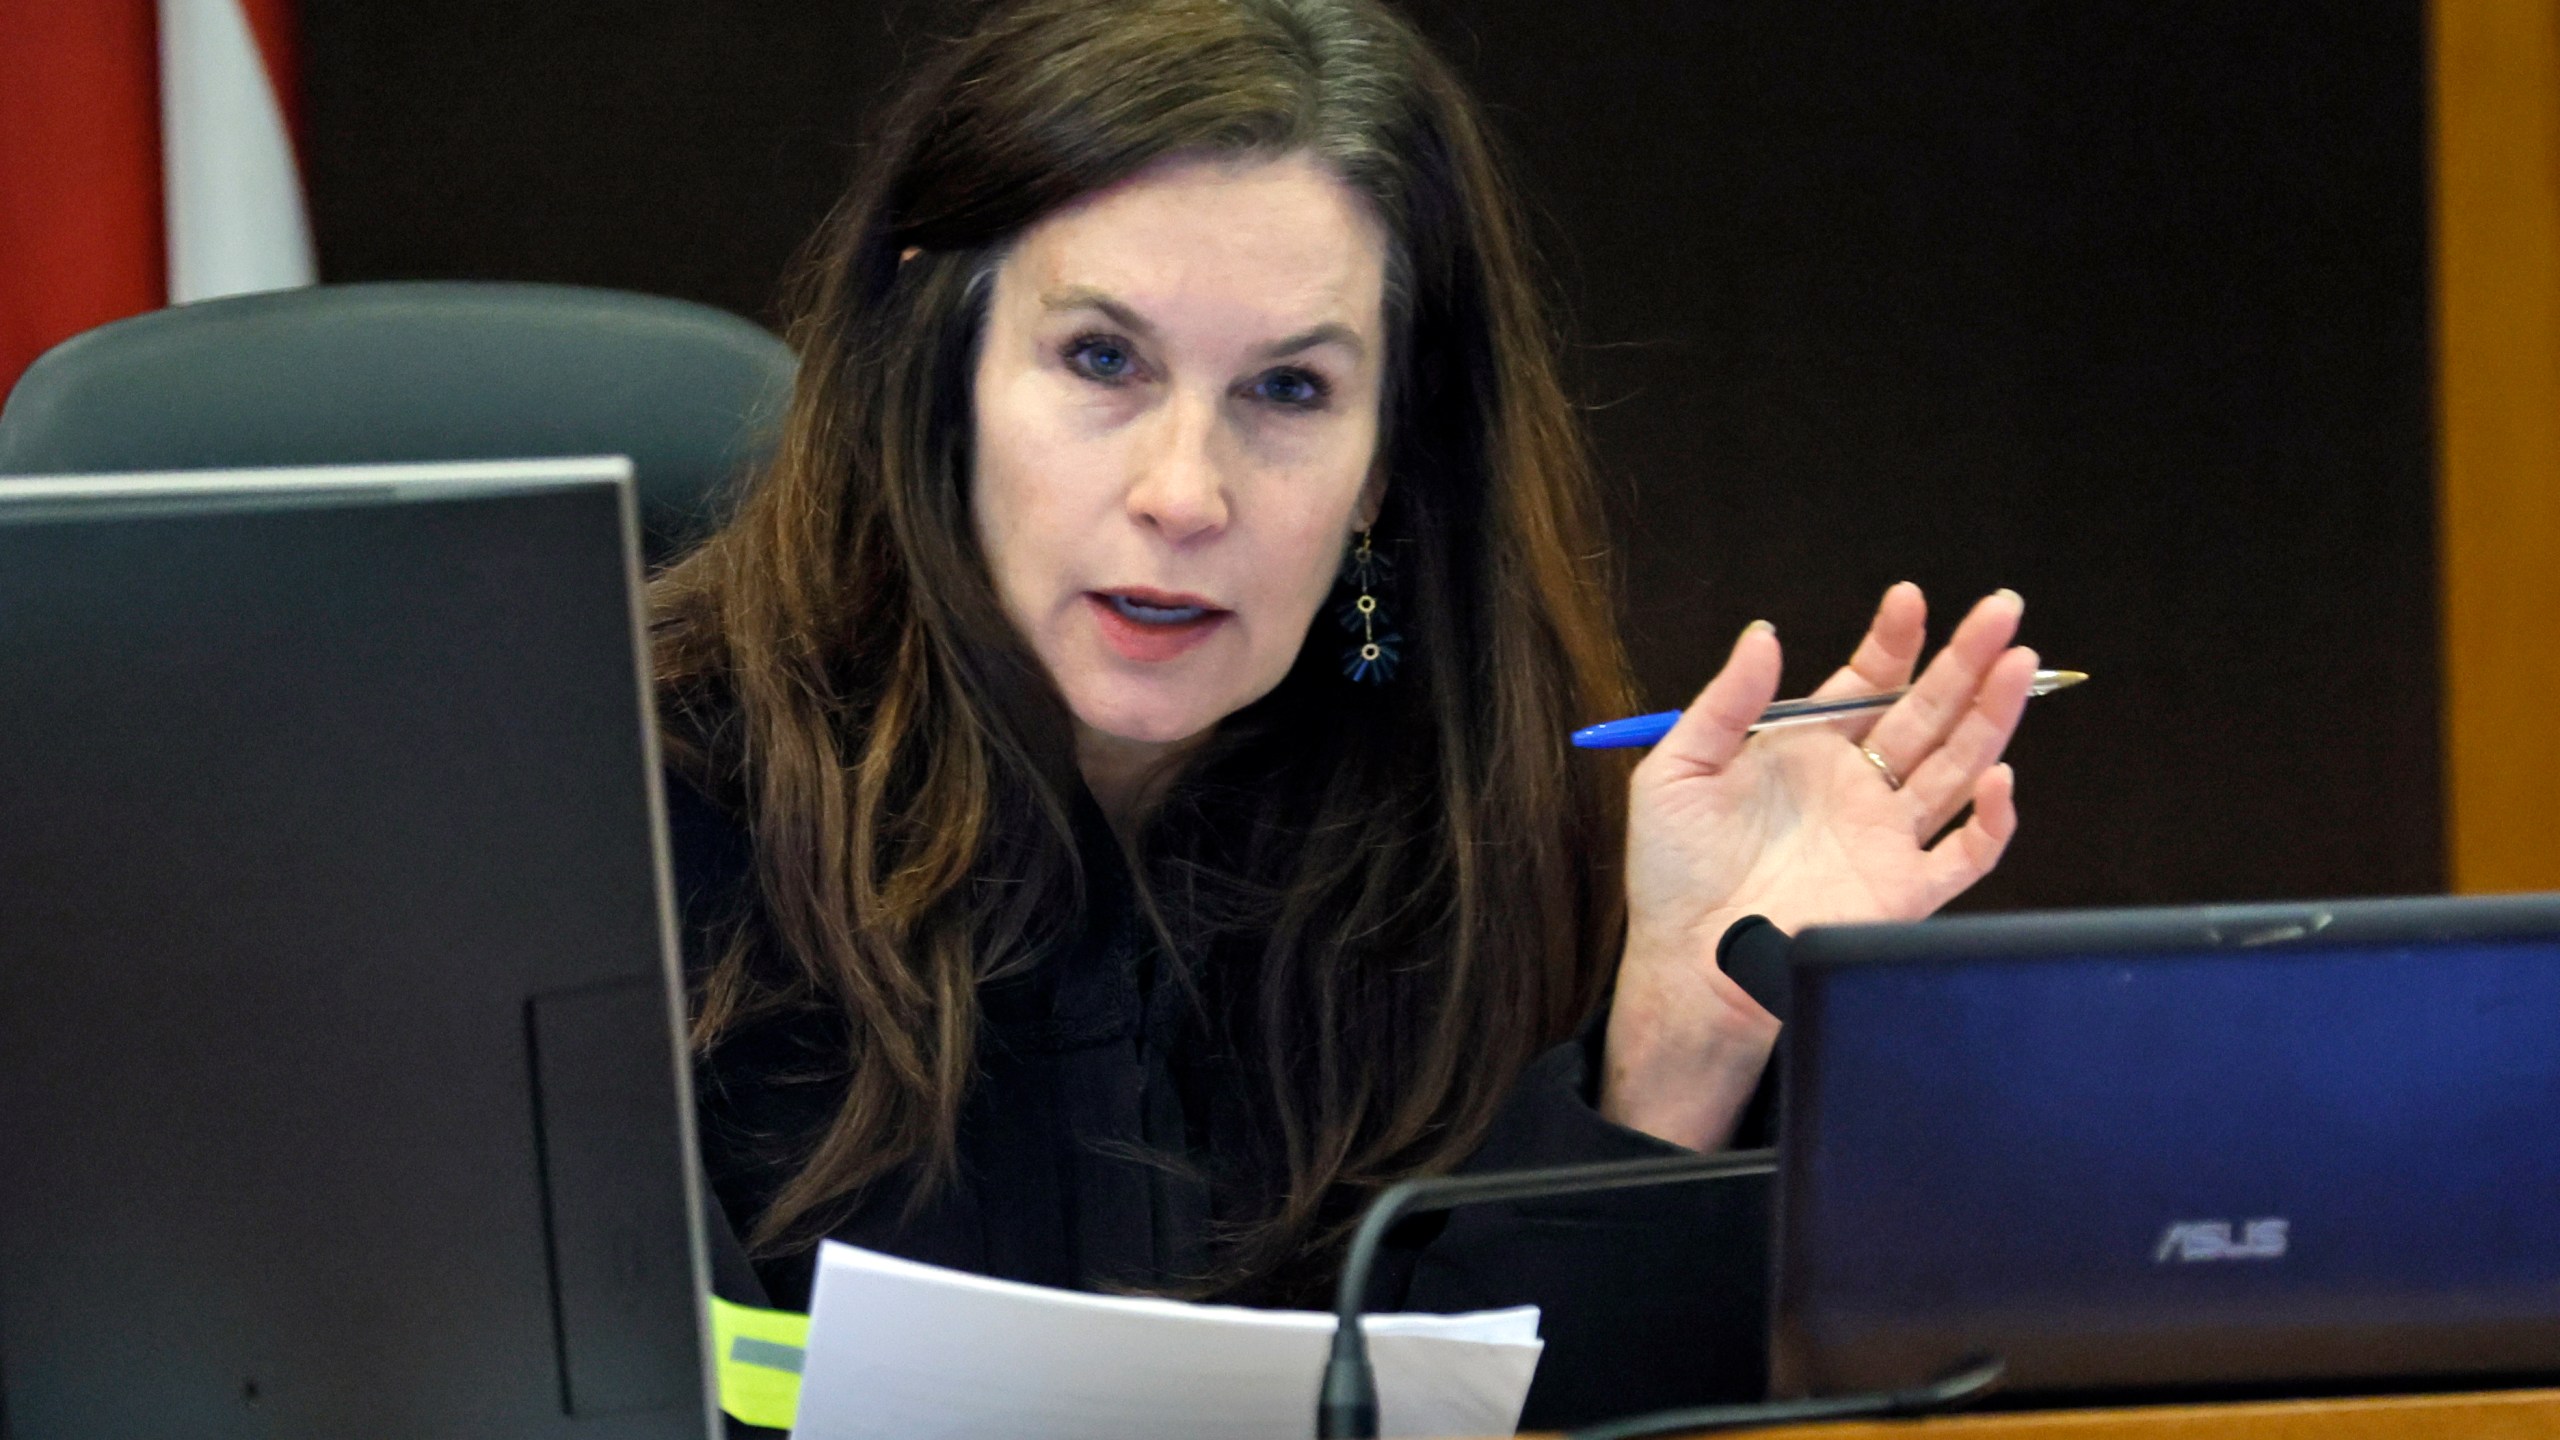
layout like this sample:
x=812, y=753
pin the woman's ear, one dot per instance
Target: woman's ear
x=1373, y=498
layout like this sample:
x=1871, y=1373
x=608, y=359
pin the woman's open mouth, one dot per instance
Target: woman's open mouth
x=1151, y=625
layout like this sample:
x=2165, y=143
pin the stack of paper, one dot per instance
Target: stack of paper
x=916, y=1351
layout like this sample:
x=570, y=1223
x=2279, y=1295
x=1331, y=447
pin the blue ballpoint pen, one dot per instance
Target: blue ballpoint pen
x=1646, y=729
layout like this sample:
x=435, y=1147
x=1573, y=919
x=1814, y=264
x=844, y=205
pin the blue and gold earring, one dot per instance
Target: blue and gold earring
x=1372, y=658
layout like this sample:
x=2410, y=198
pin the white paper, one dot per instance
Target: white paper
x=917, y=1352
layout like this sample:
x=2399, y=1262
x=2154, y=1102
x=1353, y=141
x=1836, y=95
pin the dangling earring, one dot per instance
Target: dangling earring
x=1372, y=658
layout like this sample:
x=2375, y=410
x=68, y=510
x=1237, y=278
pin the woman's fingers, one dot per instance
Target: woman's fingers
x=1886, y=656
x=1967, y=855
x=1906, y=734
x=1944, y=782
x=1711, y=731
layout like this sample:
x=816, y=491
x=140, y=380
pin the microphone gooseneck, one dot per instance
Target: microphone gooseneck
x=1347, y=1405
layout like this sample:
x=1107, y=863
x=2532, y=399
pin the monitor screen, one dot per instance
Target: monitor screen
x=340, y=1085
x=2147, y=1164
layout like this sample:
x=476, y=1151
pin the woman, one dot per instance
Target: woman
x=1124, y=812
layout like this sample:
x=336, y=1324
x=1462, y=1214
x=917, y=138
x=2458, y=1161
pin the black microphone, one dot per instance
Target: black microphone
x=1347, y=1405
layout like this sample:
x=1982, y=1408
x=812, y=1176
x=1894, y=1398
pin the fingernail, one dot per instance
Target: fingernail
x=1761, y=626
x=2012, y=594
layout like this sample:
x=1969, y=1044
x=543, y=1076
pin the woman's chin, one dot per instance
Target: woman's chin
x=1147, y=718
x=1147, y=728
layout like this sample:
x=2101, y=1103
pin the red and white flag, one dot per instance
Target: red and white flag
x=146, y=158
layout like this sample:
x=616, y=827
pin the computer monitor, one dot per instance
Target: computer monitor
x=2292, y=1148
x=341, y=1091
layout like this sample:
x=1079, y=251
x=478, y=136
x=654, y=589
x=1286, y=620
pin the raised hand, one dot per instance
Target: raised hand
x=1811, y=825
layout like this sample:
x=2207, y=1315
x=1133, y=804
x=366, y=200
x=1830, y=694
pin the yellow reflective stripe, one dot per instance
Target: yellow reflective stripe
x=760, y=1353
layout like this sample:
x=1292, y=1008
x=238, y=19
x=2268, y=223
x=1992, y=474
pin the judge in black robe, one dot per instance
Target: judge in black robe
x=1089, y=1141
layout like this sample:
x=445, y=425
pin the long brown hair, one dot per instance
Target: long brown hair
x=1398, y=894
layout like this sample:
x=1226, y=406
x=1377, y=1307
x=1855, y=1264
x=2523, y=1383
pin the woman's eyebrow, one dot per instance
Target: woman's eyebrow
x=1085, y=297
x=1330, y=333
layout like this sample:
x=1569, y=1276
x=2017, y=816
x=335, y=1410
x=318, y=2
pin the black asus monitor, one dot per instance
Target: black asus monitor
x=2281, y=1149
x=340, y=1085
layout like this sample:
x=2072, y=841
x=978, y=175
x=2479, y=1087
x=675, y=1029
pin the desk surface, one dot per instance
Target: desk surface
x=2489, y=1415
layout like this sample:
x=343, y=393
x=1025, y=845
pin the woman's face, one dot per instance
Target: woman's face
x=1177, y=414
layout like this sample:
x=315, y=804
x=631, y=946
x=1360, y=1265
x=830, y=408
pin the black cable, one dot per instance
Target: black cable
x=1966, y=1384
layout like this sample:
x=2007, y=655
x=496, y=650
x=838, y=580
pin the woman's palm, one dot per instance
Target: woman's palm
x=1825, y=824
x=1799, y=827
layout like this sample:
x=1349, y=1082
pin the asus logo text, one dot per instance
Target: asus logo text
x=2191, y=1240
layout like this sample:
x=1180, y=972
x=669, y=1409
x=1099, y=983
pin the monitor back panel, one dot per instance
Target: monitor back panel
x=339, y=1091
x=2294, y=1148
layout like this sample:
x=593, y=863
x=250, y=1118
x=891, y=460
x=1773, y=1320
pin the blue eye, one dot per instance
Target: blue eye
x=1100, y=357
x=1292, y=388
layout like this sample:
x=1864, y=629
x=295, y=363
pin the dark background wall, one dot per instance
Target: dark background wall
x=2116, y=302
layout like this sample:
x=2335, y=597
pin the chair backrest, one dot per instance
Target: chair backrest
x=426, y=370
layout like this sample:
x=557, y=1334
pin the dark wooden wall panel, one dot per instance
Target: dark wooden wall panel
x=678, y=148
x=2121, y=304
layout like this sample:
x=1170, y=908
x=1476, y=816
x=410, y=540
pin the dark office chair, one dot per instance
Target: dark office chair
x=430, y=370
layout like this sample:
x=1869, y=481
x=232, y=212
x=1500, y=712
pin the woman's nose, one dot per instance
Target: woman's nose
x=1180, y=489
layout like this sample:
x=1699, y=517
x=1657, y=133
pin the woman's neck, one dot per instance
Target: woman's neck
x=1126, y=776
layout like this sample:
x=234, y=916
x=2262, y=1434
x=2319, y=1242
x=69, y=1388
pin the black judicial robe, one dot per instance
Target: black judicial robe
x=1650, y=1298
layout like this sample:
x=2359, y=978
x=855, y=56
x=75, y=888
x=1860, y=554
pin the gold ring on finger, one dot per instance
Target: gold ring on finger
x=1883, y=766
